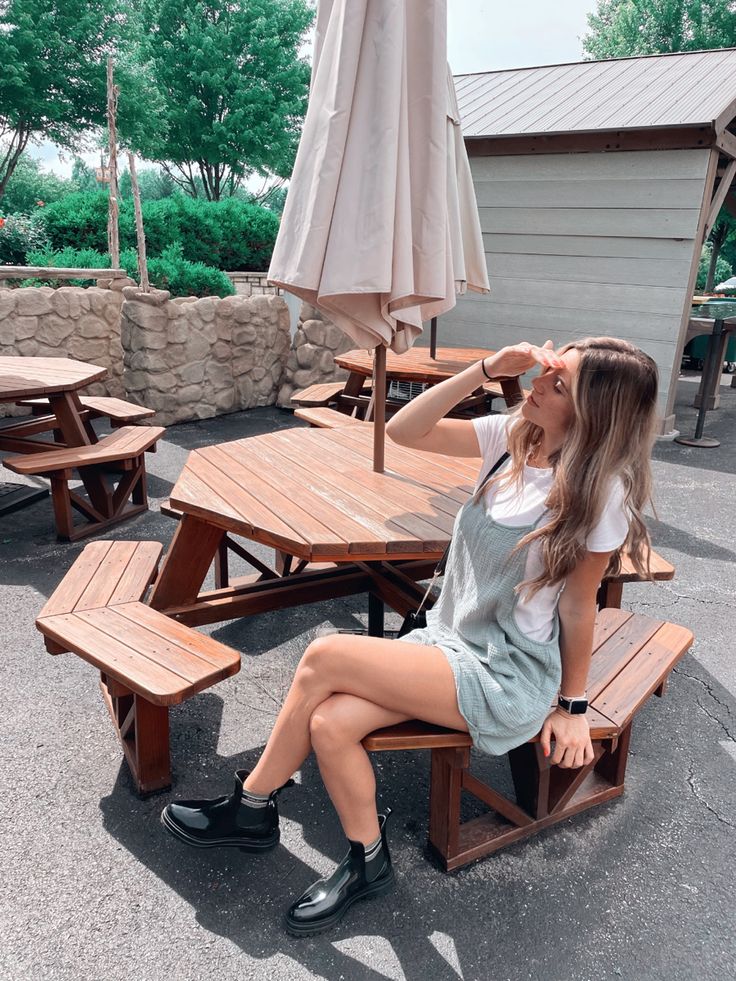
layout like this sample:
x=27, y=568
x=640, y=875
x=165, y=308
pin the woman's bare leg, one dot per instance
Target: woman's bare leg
x=337, y=727
x=412, y=681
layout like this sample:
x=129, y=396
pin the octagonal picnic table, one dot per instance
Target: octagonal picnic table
x=417, y=365
x=336, y=526
x=59, y=381
x=312, y=495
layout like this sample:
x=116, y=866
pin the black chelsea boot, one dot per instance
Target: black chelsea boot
x=325, y=902
x=226, y=821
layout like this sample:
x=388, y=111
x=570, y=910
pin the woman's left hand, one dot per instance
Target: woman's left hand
x=571, y=734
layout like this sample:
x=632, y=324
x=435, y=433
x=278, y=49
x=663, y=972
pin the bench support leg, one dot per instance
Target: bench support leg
x=143, y=730
x=446, y=786
x=544, y=796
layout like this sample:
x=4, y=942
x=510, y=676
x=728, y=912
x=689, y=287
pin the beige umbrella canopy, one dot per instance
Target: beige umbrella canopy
x=366, y=233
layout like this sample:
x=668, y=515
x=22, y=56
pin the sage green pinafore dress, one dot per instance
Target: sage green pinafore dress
x=505, y=681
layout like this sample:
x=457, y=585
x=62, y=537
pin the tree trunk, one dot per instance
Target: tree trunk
x=18, y=143
x=718, y=237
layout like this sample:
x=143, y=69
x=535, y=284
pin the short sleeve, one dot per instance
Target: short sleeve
x=492, y=439
x=613, y=527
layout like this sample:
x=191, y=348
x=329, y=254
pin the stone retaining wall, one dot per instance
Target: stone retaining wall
x=187, y=358
x=191, y=358
x=70, y=322
x=311, y=360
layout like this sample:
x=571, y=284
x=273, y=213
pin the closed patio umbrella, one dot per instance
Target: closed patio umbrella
x=365, y=235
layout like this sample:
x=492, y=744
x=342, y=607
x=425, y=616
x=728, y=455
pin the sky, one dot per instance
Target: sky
x=483, y=35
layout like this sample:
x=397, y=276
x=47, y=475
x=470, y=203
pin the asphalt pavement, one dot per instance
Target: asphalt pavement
x=639, y=888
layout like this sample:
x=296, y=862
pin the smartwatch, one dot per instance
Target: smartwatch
x=573, y=706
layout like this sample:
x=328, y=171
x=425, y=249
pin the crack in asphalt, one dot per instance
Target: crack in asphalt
x=709, y=690
x=703, y=801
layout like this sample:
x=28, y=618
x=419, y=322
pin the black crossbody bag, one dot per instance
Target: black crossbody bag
x=415, y=619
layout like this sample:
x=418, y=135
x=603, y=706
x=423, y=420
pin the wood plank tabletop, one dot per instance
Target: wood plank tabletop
x=416, y=364
x=22, y=378
x=313, y=494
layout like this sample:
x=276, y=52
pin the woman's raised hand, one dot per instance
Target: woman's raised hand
x=518, y=358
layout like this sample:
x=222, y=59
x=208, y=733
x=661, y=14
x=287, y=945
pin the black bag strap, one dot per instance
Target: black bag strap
x=440, y=568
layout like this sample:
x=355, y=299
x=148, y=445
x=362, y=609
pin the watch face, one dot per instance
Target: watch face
x=574, y=706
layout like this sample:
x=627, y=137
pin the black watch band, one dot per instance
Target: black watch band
x=573, y=706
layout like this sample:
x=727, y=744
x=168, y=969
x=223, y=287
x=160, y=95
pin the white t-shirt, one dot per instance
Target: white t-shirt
x=516, y=506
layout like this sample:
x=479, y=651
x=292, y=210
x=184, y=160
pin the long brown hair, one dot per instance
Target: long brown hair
x=614, y=394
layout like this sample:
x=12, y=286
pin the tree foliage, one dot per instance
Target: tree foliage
x=230, y=234
x=31, y=188
x=52, y=73
x=624, y=28
x=232, y=87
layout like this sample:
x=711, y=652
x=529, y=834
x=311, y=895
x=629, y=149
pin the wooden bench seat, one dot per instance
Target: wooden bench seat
x=147, y=661
x=119, y=455
x=316, y=395
x=118, y=411
x=327, y=418
x=124, y=444
x=632, y=657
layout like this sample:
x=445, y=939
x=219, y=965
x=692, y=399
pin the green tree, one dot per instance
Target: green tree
x=711, y=270
x=83, y=176
x=31, y=188
x=153, y=184
x=52, y=73
x=624, y=28
x=232, y=86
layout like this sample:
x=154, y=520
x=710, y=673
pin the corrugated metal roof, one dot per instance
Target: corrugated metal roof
x=687, y=89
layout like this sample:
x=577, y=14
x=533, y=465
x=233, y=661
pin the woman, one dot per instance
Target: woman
x=513, y=625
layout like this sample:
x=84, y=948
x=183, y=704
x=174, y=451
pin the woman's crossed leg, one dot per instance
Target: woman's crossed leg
x=344, y=688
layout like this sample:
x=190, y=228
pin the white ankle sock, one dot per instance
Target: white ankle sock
x=373, y=849
x=255, y=800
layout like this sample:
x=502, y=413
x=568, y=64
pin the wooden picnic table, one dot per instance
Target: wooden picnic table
x=336, y=526
x=416, y=365
x=58, y=380
x=312, y=495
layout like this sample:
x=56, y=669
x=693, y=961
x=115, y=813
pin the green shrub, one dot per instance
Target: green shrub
x=167, y=272
x=248, y=235
x=183, y=278
x=77, y=221
x=70, y=259
x=19, y=236
x=230, y=234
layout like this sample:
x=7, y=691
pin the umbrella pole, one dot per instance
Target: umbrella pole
x=379, y=408
x=433, y=338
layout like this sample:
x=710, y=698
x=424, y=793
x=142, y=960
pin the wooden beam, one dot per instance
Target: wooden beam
x=720, y=196
x=674, y=138
x=49, y=272
x=726, y=143
x=699, y=238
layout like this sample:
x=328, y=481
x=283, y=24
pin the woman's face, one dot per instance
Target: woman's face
x=549, y=404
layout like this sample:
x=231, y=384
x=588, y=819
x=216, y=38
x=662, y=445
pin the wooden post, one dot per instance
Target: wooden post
x=379, y=408
x=113, y=235
x=140, y=235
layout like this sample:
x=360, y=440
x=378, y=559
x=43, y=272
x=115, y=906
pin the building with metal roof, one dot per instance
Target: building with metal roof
x=597, y=183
